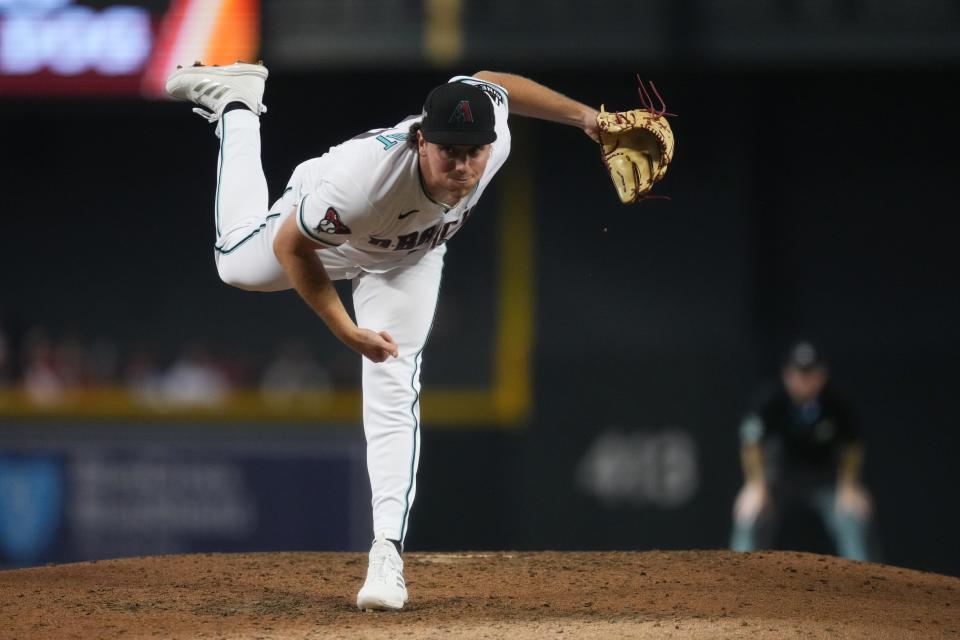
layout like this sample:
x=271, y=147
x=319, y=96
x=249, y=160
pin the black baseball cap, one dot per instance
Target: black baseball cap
x=804, y=356
x=458, y=113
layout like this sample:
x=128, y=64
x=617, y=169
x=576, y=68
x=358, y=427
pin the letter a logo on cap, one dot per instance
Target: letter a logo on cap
x=462, y=113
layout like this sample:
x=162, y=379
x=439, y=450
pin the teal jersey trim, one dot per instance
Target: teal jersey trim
x=413, y=452
x=247, y=237
x=216, y=212
x=416, y=423
x=306, y=229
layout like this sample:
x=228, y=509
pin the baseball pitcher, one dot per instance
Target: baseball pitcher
x=378, y=210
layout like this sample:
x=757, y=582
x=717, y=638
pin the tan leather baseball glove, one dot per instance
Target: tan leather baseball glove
x=637, y=147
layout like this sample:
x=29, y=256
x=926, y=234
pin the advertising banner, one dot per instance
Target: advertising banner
x=95, y=499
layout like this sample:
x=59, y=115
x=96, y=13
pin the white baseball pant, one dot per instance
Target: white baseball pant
x=400, y=301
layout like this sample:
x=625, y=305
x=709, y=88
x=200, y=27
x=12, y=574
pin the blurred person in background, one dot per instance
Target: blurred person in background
x=44, y=381
x=293, y=373
x=195, y=379
x=143, y=377
x=800, y=445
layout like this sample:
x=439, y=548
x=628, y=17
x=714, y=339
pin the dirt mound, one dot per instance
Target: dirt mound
x=656, y=594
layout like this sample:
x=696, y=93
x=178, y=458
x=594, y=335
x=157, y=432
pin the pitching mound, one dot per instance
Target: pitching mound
x=684, y=594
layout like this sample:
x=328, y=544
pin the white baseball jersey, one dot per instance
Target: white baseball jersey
x=365, y=197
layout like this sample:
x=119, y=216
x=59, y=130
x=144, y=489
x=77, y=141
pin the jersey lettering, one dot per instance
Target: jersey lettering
x=427, y=235
x=410, y=241
x=406, y=242
x=444, y=233
x=450, y=228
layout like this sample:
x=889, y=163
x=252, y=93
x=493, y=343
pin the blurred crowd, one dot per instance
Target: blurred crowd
x=46, y=366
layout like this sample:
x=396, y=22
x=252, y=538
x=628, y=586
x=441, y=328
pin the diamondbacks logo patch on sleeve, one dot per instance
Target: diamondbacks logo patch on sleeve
x=332, y=224
x=461, y=113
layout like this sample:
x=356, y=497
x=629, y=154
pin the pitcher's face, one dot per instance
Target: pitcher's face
x=453, y=169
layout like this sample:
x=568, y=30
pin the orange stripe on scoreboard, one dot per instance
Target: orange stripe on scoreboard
x=236, y=35
x=213, y=31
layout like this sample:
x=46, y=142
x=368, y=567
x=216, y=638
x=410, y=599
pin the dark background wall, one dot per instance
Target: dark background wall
x=806, y=200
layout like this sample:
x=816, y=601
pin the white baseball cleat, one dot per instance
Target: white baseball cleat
x=384, y=589
x=213, y=88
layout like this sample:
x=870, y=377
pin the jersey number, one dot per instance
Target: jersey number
x=391, y=139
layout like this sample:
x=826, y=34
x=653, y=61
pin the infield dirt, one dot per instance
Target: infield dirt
x=655, y=594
